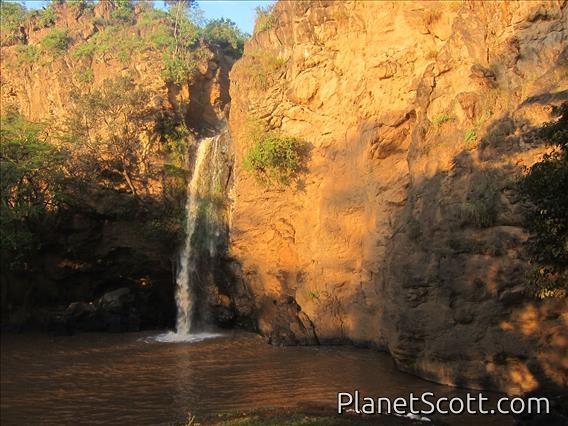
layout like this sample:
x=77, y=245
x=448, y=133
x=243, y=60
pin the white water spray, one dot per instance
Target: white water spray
x=199, y=187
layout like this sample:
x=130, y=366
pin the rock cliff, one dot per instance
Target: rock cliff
x=406, y=230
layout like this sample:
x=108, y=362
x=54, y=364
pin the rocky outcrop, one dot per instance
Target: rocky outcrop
x=406, y=231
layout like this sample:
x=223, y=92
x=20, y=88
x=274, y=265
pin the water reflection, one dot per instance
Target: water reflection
x=134, y=379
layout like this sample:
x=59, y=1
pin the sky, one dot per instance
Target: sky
x=242, y=12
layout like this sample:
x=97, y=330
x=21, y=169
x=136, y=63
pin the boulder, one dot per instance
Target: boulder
x=115, y=301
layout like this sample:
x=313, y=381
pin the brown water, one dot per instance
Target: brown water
x=129, y=379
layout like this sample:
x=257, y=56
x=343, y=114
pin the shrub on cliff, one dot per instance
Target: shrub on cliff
x=123, y=12
x=47, y=16
x=27, y=54
x=56, y=41
x=274, y=158
x=546, y=185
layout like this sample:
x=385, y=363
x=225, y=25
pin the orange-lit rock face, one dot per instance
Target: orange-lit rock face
x=406, y=230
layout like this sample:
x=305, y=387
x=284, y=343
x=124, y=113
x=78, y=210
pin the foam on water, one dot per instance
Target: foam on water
x=172, y=337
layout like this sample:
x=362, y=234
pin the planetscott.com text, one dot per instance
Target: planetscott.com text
x=428, y=403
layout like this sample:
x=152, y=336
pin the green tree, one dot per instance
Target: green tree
x=123, y=10
x=12, y=15
x=546, y=185
x=179, y=10
x=225, y=33
x=31, y=179
x=47, y=16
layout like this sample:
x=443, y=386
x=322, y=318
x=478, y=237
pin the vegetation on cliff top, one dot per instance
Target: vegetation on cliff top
x=177, y=33
x=265, y=18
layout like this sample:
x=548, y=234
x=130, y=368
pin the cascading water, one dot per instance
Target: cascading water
x=184, y=301
x=201, y=189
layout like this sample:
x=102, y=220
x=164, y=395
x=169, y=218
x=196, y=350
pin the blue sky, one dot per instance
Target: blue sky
x=242, y=12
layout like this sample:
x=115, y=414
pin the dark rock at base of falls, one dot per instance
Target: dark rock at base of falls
x=114, y=312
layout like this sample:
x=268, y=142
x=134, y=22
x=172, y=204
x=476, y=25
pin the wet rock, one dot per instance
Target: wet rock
x=115, y=301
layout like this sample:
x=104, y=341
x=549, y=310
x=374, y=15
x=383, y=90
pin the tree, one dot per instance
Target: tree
x=12, y=15
x=182, y=55
x=109, y=134
x=179, y=10
x=546, y=185
x=31, y=179
x=225, y=33
x=123, y=10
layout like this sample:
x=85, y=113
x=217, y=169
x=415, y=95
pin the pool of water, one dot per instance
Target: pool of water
x=135, y=379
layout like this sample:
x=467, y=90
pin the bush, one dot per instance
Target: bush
x=47, y=17
x=275, y=159
x=546, y=186
x=85, y=75
x=263, y=67
x=441, y=119
x=470, y=137
x=56, y=41
x=27, y=54
x=31, y=173
x=85, y=50
x=124, y=11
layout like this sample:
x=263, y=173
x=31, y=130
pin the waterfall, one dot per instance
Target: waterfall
x=184, y=301
x=201, y=236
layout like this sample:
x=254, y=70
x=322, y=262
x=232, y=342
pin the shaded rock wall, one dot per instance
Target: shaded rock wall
x=406, y=231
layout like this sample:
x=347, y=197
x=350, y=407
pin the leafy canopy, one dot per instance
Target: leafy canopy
x=56, y=41
x=225, y=33
x=31, y=179
x=11, y=17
